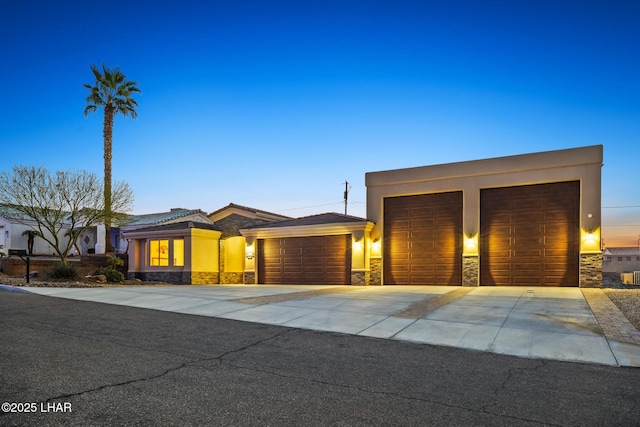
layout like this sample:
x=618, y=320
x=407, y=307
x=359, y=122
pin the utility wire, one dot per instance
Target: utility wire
x=309, y=207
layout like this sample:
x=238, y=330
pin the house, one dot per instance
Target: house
x=328, y=248
x=135, y=222
x=531, y=219
x=190, y=247
x=234, y=257
x=14, y=223
x=621, y=260
x=179, y=252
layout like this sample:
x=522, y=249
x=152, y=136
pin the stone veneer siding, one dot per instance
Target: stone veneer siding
x=249, y=277
x=227, y=278
x=360, y=278
x=205, y=278
x=591, y=270
x=470, y=270
x=176, y=277
x=375, y=271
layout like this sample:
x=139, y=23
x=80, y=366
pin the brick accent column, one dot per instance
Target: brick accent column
x=591, y=270
x=470, y=270
x=375, y=271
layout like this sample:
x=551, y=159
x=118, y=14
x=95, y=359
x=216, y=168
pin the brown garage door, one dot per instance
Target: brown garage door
x=423, y=239
x=305, y=260
x=530, y=235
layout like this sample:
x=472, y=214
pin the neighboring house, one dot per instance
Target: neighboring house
x=621, y=260
x=13, y=223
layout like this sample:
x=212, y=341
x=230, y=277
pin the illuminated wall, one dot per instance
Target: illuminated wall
x=234, y=254
x=582, y=164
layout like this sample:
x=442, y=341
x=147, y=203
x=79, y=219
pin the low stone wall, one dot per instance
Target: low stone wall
x=85, y=265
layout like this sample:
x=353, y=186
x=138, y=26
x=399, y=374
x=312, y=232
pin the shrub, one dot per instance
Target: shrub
x=115, y=262
x=63, y=271
x=111, y=274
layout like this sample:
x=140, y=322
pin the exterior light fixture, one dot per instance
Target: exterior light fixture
x=375, y=245
x=471, y=242
x=357, y=243
x=249, y=253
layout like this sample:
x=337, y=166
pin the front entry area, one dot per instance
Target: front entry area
x=423, y=239
x=321, y=260
x=530, y=235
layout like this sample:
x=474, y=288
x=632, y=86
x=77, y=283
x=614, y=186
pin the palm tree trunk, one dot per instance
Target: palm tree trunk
x=108, y=134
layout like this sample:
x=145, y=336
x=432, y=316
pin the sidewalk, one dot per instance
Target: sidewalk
x=567, y=324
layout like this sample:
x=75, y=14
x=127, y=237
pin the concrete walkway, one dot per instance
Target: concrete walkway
x=533, y=322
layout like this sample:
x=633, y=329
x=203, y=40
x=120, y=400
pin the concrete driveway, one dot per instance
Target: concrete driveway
x=566, y=324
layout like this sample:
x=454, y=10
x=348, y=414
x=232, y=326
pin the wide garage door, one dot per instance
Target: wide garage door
x=530, y=235
x=423, y=239
x=323, y=260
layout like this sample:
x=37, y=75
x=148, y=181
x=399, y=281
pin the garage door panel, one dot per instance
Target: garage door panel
x=527, y=241
x=541, y=246
x=526, y=217
x=556, y=216
x=526, y=280
x=301, y=260
x=423, y=211
x=432, y=242
x=528, y=252
x=427, y=223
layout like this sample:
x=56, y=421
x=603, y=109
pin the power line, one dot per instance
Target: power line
x=620, y=207
x=309, y=207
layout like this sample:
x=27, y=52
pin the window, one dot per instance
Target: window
x=607, y=258
x=628, y=258
x=159, y=252
x=619, y=258
x=178, y=252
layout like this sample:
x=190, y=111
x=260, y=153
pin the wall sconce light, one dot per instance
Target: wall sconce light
x=471, y=242
x=357, y=243
x=375, y=245
x=249, y=252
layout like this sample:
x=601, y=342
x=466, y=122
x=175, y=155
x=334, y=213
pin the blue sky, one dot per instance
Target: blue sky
x=274, y=104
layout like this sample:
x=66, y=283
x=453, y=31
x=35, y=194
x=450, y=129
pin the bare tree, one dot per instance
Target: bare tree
x=64, y=204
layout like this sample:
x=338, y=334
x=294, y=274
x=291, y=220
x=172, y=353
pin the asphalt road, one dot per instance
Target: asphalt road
x=82, y=363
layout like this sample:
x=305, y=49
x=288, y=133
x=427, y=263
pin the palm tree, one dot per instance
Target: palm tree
x=114, y=93
x=31, y=235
